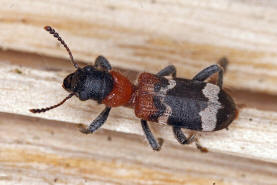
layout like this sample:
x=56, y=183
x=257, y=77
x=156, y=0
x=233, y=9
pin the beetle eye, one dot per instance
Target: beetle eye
x=67, y=82
x=88, y=68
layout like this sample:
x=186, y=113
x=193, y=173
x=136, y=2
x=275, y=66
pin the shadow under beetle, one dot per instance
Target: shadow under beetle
x=180, y=103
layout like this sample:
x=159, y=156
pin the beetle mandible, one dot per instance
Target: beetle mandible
x=178, y=102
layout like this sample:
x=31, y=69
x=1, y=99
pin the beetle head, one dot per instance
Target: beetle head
x=89, y=83
x=86, y=83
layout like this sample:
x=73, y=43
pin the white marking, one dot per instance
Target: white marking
x=208, y=115
x=162, y=93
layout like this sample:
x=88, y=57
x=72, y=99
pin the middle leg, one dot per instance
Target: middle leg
x=169, y=70
x=150, y=137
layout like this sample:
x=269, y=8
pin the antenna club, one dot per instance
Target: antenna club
x=50, y=30
x=47, y=28
x=33, y=110
x=38, y=110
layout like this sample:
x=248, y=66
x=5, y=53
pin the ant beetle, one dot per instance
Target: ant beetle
x=178, y=102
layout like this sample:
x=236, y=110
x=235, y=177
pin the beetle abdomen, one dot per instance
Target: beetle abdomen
x=190, y=104
x=228, y=113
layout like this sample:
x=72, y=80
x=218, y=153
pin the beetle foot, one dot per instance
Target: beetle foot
x=85, y=131
x=160, y=141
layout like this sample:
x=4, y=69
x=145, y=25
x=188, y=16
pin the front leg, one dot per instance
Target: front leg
x=103, y=63
x=150, y=138
x=169, y=70
x=98, y=122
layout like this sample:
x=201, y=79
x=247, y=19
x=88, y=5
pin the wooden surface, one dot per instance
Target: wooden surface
x=54, y=152
x=135, y=36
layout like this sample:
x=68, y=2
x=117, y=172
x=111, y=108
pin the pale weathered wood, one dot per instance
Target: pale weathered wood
x=136, y=36
x=34, y=88
x=38, y=151
x=151, y=34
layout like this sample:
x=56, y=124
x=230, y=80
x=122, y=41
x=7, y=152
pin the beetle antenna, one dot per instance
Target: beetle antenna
x=55, y=34
x=51, y=107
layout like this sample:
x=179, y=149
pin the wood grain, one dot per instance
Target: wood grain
x=135, y=36
x=44, y=152
x=34, y=88
x=148, y=35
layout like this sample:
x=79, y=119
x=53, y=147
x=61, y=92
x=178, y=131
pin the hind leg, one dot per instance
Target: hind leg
x=223, y=62
x=209, y=71
x=181, y=137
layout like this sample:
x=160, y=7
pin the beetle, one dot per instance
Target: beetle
x=181, y=103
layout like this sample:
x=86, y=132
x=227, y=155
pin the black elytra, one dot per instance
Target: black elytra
x=187, y=100
x=181, y=103
x=192, y=104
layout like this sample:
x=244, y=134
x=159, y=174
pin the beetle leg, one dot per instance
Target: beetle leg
x=200, y=147
x=180, y=136
x=223, y=62
x=169, y=70
x=150, y=137
x=98, y=122
x=207, y=72
x=103, y=63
